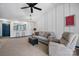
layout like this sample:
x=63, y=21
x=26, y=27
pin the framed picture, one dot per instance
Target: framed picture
x=70, y=20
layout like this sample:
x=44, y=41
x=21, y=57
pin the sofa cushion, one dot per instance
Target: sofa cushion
x=41, y=33
x=65, y=36
x=63, y=41
x=52, y=34
x=46, y=34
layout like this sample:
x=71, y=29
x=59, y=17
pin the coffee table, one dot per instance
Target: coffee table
x=33, y=40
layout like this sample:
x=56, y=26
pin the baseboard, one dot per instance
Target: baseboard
x=19, y=37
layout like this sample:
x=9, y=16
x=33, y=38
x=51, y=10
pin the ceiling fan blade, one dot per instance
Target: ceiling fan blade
x=28, y=3
x=24, y=7
x=37, y=8
x=35, y=4
x=31, y=10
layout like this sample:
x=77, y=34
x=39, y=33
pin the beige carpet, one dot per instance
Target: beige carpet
x=21, y=47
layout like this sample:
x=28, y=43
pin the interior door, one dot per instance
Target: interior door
x=5, y=29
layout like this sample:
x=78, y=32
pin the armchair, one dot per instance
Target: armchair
x=66, y=45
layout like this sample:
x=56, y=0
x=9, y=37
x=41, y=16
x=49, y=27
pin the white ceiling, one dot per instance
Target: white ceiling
x=13, y=11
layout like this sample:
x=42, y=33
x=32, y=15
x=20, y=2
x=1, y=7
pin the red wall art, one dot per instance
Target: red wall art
x=70, y=20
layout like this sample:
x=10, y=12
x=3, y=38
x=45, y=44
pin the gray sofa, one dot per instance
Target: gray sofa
x=43, y=36
x=66, y=47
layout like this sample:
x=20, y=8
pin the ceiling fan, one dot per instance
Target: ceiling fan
x=31, y=6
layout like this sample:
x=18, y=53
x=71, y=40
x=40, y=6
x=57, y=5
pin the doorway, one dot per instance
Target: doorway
x=5, y=30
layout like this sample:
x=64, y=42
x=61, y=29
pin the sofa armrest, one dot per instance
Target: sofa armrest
x=56, y=49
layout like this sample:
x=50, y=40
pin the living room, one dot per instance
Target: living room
x=31, y=32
